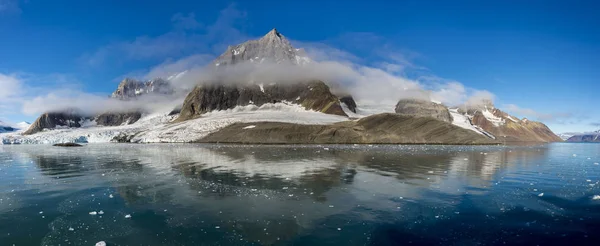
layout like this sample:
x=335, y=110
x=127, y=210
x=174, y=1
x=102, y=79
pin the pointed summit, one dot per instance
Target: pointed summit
x=271, y=48
x=274, y=33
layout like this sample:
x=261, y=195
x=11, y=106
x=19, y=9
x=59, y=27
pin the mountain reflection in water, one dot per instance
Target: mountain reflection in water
x=184, y=194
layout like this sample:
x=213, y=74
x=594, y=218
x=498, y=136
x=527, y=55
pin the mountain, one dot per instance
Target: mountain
x=67, y=118
x=312, y=95
x=128, y=89
x=506, y=127
x=590, y=137
x=271, y=48
x=131, y=88
x=304, y=110
x=4, y=127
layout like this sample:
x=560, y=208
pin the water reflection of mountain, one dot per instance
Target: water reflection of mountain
x=286, y=190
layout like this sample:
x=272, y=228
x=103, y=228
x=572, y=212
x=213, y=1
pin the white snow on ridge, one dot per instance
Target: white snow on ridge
x=463, y=121
x=497, y=121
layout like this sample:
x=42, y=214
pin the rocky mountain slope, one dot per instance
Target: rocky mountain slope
x=375, y=129
x=131, y=88
x=271, y=48
x=313, y=95
x=68, y=118
x=509, y=128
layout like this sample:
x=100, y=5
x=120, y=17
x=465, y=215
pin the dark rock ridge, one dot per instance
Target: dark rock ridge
x=313, y=95
x=117, y=119
x=131, y=88
x=422, y=108
x=54, y=120
x=271, y=48
x=376, y=129
x=349, y=102
x=70, y=119
x=509, y=128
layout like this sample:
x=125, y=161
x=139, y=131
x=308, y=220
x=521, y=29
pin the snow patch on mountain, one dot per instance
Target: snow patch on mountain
x=463, y=121
x=497, y=121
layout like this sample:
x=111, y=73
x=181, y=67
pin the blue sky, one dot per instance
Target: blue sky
x=539, y=58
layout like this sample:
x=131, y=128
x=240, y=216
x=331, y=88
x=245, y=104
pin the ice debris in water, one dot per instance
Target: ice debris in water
x=71, y=229
x=541, y=194
x=596, y=197
x=93, y=213
x=101, y=243
x=101, y=212
x=128, y=216
x=110, y=196
x=574, y=155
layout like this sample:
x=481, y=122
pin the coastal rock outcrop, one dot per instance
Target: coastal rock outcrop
x=422, y=108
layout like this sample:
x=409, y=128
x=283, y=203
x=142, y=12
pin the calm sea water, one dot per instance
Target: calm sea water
x=301, y=195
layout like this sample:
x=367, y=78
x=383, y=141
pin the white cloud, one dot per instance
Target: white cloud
x=188, y=36
x=10, y=86
x=533, y=114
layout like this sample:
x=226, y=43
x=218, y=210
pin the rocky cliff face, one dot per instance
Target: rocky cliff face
x=422, y=108
x=55, y=120
x=509, y=128
x=117, y=119
x=313, y=95
x=272, y=48
x=131, y=88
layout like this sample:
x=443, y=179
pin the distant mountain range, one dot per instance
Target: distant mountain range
x=588, y=137
x=338, y=117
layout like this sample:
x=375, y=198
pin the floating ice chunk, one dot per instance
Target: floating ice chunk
x=331, y=206
x=111, y=196
x=325, y=148
x=541, y=194
x=217, y=227
x=249, y=127
x=93, y=213
x=339, y=229
x=430, y=172
x=574, y=155
x=596, y=197
x=71, y=229
x=101, y=243
x=41, y=212
x=101, y=212
x=589, y=180
x=128, y=216
x=596, y=163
